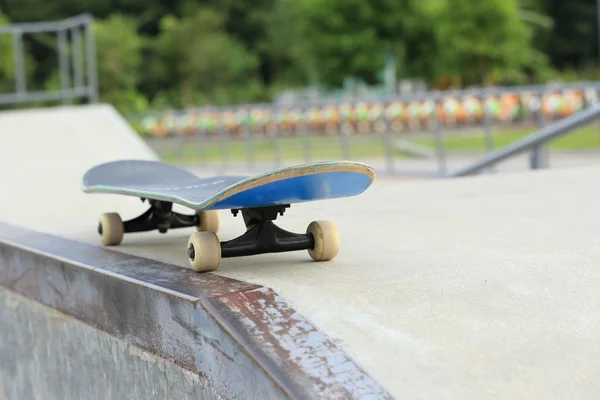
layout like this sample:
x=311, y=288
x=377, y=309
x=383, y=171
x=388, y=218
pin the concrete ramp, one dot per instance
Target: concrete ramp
x=43, y=155
x=144, y=329
x=483, y=287
x=114, y=325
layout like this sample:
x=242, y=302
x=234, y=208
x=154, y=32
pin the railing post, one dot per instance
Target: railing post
x=202, y=137
x=539, y=157
x=77, y=58
x=91, y=62
x=387, y=143
x=487, y=129
x=249, y=139
x=63, y=61
x=21, y=85
x=439, y=140
x=275, y=135
x=344, y=136
x=305, y=133
x=224, y=143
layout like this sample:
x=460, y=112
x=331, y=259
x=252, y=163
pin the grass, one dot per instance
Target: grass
x=586, y=138
x=291, y=149
x=294, y=148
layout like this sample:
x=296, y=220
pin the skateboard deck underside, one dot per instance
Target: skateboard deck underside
x=164, y=182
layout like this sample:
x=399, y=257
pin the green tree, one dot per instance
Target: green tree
x=355, y=38
x=119, y=49
x=343, y=39
x=243, y=21
x=197, y=62
x=485, y=41
x=44, y=10
x=7, y=62
x=7, y=73
x=573, y=41
x=285, y=47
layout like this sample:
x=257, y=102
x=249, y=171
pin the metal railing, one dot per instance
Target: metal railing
x=74, y=37
x=535, y=143
x=408, y=135
x=408, y=112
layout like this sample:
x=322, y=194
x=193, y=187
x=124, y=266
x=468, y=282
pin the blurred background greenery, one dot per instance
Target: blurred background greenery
x=155, y=54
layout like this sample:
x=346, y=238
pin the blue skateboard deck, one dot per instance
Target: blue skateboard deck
x=160, y=181
x=259, y=198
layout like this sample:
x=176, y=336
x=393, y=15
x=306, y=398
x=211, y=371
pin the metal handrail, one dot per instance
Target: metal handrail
x=431, y=95
x=46, y=26
x=71, y=34
x=532, y=142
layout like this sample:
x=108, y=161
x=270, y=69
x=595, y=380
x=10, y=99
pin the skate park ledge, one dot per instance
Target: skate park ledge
x=239, y=340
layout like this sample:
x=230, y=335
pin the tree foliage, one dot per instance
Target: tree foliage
x=499, y=52
x=119, y=55
x=202, y=58
x=158, y=53
x=7, y=73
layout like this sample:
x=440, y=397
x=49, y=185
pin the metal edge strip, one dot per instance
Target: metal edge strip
x=218, y=327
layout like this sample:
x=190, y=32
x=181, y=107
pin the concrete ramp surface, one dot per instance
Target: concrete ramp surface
x=482, y=287
x=44, y=153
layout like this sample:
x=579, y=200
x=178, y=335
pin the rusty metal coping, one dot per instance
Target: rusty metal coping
x=244, y=339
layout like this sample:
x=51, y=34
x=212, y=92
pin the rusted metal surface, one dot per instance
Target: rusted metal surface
x=244, y=339
x=290, y=347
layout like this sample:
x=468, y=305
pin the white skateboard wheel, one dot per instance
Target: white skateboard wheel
x=327, y=240
x=111, y=229
x=210, y=221
x=204, y=251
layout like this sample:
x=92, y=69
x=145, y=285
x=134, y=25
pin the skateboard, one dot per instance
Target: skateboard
x=260, y=199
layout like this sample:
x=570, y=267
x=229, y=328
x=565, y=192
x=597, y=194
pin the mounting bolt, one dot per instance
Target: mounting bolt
x=235, y=212
x=191, y=252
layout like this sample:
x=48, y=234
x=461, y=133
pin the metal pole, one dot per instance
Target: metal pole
x=549, y=132
x=224, y=144
x=202, y=140
x=345, y=140
x=536, y=157
x=77, y=57
x=63, y=61
x=91, y=62
x=304, y=136
x=249, y=143
x=277, y=153
x=539, y=157
x=489, y=138
x=439, y=141
x=20, y=79
x=387, y=144
x=179, y=131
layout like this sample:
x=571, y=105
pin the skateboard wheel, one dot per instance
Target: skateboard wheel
x=210, y=221
x=204, y=251
x=327, y=240
x=111, y=229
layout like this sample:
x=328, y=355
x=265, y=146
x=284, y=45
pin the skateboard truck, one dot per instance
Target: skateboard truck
x=263, y=236
x=277, y=209
x=159, y=216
